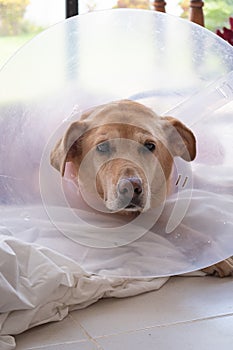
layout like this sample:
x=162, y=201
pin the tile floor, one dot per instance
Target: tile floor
x=186, y=313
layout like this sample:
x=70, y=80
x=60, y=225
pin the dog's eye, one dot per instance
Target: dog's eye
x=103, y=147
x=150, y=146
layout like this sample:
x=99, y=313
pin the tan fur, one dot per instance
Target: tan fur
x=127, y=126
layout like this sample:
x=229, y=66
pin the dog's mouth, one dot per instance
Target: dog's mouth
x=120, y=206
x=136, y=204
x=130, y=208
x=133, y=208
x=128, y=199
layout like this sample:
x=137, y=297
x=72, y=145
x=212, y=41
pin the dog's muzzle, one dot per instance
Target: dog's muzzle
x=130, y=193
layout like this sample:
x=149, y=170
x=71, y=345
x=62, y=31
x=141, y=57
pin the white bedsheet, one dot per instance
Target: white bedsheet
x=38, y=285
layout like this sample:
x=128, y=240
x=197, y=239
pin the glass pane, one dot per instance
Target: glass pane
x=20, y=20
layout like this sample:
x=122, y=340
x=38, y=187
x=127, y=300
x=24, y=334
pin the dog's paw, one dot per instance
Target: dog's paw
x=222, y=269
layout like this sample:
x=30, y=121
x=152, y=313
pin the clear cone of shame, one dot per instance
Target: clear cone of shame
x=172, y=66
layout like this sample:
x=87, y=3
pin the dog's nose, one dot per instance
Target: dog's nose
x=130, y=187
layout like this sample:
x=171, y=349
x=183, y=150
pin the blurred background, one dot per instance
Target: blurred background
x=20, y=20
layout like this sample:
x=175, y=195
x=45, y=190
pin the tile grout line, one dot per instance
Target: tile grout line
x=164, y=325
x=41, y=347
x=90, y=338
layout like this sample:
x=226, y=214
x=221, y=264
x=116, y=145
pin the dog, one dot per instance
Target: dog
x=123, y=153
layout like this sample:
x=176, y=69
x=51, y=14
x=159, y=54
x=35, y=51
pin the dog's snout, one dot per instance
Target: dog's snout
x=130, y=187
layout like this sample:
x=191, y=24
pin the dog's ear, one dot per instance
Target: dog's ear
x=181, y=140
x=68, y=147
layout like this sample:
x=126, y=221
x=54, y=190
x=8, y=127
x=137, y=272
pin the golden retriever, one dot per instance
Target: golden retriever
x=123, y=152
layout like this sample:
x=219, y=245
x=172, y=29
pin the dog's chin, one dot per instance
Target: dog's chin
x=132, y=210
x=135, y=207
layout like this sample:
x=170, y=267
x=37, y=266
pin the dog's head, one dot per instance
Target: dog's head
x=123, y=152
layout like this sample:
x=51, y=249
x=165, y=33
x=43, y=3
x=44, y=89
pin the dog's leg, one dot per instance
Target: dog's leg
x=222, y=269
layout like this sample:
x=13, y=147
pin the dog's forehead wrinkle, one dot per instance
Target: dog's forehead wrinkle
x=122, y=131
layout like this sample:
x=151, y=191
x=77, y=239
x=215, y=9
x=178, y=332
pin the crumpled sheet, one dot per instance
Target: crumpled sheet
x=39, y=285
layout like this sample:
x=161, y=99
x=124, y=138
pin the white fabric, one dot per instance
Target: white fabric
x=38, y=285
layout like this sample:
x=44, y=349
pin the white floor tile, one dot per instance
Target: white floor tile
x=214, y=334
x=181, y=299
x=64, y=331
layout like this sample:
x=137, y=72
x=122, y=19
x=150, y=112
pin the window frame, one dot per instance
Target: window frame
x=71, y=8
